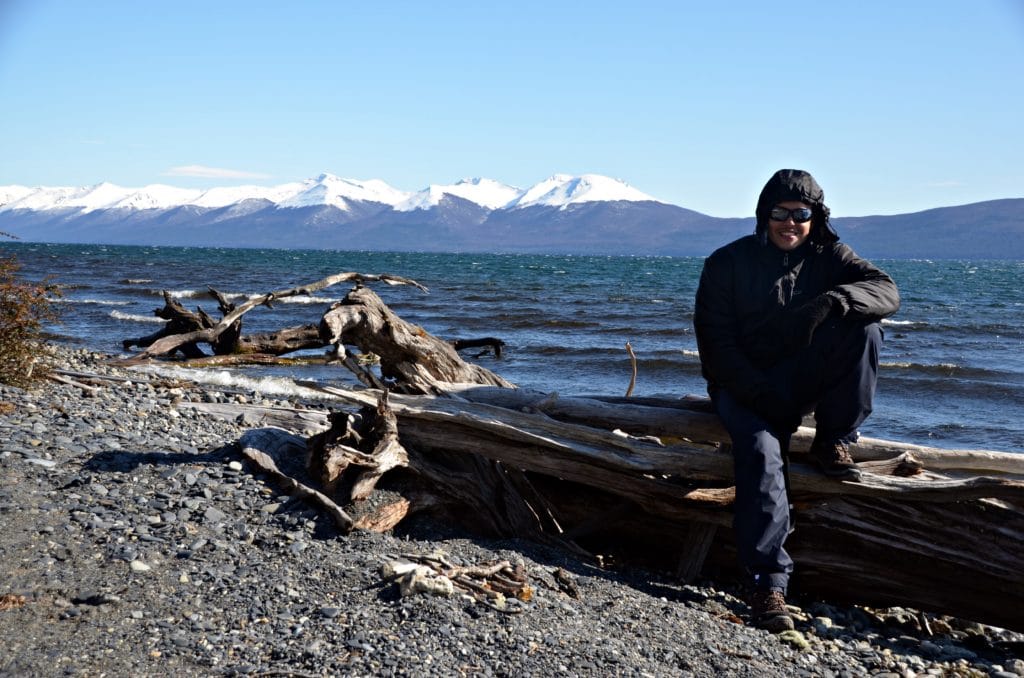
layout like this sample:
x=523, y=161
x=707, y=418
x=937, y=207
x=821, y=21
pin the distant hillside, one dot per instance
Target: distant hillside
x=986, y=230
x=588, y=214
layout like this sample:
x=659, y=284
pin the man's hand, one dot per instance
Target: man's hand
x=802, y=321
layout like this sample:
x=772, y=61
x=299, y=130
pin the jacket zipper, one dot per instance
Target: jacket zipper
x=785, y=259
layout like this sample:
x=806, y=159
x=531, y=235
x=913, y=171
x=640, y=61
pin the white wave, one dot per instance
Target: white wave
x=920, y=366
x=691, y=353
x=278, y=386
x=137, y=281
x=189, y=294
x=297, y=299
x=305, y=300
x=902, y=323
x=132, y=317
x=95, y=302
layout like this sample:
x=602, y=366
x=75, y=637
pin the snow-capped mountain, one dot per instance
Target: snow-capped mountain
x=587, y=213
x=584, y=214
x=559, y=191
x=487, y=193
x=563, y=190
x=328, y=189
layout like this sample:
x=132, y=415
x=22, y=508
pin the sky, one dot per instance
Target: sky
x=895, y=106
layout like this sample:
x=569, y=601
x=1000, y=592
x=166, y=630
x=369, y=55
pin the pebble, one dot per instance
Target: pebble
x=242, y=580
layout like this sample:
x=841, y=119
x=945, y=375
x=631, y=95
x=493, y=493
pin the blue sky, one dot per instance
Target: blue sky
x=894, y=105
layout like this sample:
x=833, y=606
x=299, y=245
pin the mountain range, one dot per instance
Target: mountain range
x=585, y=214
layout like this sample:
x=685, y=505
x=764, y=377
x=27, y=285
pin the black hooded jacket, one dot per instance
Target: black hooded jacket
x=747, y=286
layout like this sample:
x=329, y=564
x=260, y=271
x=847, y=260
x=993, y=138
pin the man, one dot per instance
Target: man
x=787, y=323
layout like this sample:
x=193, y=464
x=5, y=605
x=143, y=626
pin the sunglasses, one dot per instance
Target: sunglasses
x=799, y=214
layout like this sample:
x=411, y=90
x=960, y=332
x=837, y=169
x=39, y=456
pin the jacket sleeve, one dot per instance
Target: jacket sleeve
x=715, y=323
x=863, y=289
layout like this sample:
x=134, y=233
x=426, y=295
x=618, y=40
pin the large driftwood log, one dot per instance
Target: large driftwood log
x=691, y=419
x=411, y=360
x=207, y=333
x=950, y=545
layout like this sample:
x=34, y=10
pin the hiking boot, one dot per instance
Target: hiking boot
x=834, y=459
x=768, y=611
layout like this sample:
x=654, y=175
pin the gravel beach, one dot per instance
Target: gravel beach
x=136, y=540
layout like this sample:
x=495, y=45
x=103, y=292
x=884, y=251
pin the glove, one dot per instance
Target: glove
x=802, y=321
x=777, y=410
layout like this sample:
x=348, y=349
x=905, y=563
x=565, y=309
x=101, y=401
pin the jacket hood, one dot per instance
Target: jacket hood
x=794, y=184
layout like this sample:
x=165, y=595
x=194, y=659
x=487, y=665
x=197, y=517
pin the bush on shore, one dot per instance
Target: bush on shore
x=24, y=307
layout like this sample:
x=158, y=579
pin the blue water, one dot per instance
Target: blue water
x=952, y=368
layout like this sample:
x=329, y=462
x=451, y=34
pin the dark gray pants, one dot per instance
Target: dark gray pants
x=835, y=378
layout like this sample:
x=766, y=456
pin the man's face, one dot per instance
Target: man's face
x=788, y=233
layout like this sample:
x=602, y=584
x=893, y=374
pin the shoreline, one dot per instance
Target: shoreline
x=138, y=542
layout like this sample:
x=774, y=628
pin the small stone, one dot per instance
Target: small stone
x=139, y=566
x=45, y=463
x=235, y=465
x=214, y=515
x=794, y=638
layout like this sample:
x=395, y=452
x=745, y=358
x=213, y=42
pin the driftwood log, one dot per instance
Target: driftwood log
x=190, y=329
x=630, y=479
x=411, y=360
x=905, y=535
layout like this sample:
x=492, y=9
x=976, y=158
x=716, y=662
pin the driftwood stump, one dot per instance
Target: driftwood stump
x=410, y=357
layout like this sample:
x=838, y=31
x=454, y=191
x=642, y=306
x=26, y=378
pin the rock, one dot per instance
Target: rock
x=424, y=580
x=214, y=515
x=794, y=638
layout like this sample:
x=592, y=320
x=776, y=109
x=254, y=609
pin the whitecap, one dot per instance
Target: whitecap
x=278, y=386
x=300, y=299
x=187, y=294
x=902, y=323
x=132, y=317
x=94, y=302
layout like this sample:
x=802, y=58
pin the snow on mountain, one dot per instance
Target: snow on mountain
x=157, y=196
x=222, y=196
x=558, y=191
x=43, y=198
x=328, y=189
x=11, y=194
x=562, y=190
x=484, y=192
x=100, y=196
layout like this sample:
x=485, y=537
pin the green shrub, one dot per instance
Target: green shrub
x=24, y=307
